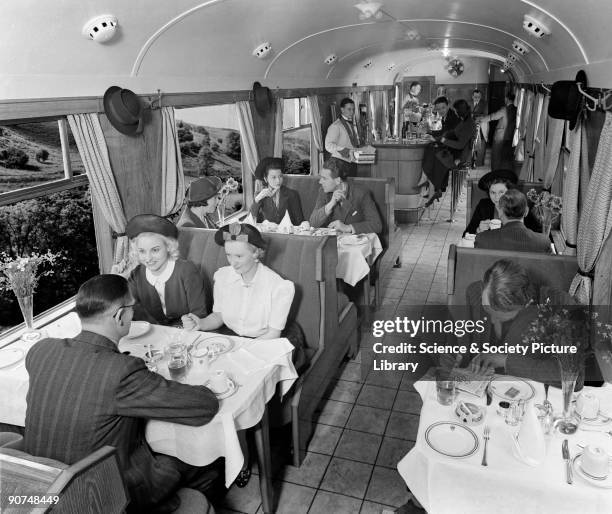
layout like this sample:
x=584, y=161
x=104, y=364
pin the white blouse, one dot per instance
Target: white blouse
x=159, y=281
x=250, y=310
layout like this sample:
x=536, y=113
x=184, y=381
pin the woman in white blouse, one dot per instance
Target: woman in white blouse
x=249, y=298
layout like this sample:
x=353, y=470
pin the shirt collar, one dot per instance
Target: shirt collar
x=237, y=277
x=95, y=339
x=165, y=275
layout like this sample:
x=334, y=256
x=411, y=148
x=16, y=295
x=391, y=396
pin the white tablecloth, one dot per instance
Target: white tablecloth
x=197, y=446
x=445, y=485
x=354, y=260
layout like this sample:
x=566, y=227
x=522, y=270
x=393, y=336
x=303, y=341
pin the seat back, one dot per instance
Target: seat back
x=309, y=262
x=382, y=189
x=467, y=265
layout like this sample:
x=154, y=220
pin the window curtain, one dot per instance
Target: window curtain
x=552, y=151
x=596, y=218
x=173, y=179
x=520, y=101
x=316, y=151
x=578, y=158
x=522, y=125
x=530, y=130
x=247, y=136
x=90, y=141
x=539, y=145
x=278, y=128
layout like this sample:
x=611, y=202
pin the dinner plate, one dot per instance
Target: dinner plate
x=451, y=439
x=600, y=421
x=511, y=388
x=220, y=345
x=604, y=483
x=10, y=356
x=232, y=387
x=354, y=240
x=138, y=328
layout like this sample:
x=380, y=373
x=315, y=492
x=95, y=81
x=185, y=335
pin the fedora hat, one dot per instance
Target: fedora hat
x=485, y=181
x=202, y=189
x=566, y=102
x=262, y=96
x=150, y=223
x=124, y=110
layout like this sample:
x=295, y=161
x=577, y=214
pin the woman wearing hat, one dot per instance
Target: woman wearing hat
x=164, y=286
x=275, y=199
x=202, y=203
x=495, y=183
x=249, y=299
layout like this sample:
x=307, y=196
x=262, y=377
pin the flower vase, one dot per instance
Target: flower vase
x=568, y=422
x=26, y=304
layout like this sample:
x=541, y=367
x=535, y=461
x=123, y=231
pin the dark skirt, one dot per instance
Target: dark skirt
x=435, y=168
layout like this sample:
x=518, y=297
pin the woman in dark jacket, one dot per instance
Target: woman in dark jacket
x=274, y=200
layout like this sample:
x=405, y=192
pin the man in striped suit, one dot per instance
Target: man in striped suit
x=85, y=394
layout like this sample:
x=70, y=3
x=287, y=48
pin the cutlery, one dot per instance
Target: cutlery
x=487, y=434
x=568, y=462
x=609, y=432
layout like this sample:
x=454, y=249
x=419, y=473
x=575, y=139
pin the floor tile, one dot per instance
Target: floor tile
x=387, y=486
x=347, y=477
x=368, y=419
x=222, y=510
x=293, y=499
x=352, y=372
x=369, y=507
x=407, y=401
x=335, y=413
x=330, y=503
x=376, y=396
x=389, y=379
x=392, y=450
x=403, y=426
x=246, y=499
x=309, y=473
x=345, y=391
x=325, y=439
x=358, y=446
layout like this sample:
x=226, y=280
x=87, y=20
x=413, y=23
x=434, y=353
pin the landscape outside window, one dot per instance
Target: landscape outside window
x=297, y=136
x=31, y=154
x=210, y=146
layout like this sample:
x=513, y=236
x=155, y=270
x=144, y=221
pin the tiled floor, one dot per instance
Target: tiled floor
x=369, y=421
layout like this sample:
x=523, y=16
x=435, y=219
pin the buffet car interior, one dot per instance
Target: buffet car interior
x=215, y=215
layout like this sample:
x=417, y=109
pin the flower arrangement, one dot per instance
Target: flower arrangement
x=230, y=186
x=547, y=207
x=21, y=274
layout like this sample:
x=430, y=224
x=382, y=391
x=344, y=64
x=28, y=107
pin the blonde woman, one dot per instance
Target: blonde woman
x=164, y=286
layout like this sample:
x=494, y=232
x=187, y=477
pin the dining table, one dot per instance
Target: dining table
x=257, y=369
x=445, y=472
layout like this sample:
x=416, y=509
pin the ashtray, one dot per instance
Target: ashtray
x=469, y=413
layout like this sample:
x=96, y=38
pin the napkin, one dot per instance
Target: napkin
x=285, y=223
x=529, y=444
x=246, y=361
x=249, y=219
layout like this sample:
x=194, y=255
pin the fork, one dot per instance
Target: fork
x=487, y=434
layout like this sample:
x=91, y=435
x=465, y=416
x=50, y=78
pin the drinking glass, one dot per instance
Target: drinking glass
x=177, y=359
x=515, y=412
x=152, y=357
x=445, y=387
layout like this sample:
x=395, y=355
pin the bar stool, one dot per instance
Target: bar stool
x=458, y=175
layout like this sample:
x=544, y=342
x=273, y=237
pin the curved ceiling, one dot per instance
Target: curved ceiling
x=191, y=45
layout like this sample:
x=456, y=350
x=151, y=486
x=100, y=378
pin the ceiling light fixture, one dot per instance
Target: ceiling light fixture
x=369, y=10
x=331, y=59
x=263, y=50
x=520, y=48
x=101, y=28
x=391, y=66
x=535, y=27
x=412, y=35
x=367, y=64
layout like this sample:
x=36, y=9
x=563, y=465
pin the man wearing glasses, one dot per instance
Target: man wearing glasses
x=85, y=394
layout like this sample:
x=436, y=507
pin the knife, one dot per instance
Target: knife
x=566, y=458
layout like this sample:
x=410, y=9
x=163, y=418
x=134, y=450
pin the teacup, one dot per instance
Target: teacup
x=219, y=382
x=495, y=224
x=587, y=405
x=469, y=237
x=595, y=462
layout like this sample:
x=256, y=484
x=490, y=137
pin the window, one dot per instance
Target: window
x=297, y=136
x=45, y=205
x=210, y=146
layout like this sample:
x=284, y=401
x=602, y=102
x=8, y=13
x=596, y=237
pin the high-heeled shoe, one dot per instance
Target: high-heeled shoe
x=243, y=477
x=435, y=198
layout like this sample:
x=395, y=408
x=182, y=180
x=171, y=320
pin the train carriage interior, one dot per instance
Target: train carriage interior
x=110, y=110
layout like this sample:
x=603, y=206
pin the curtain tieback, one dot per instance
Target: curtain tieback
x=588, y=274
x=570, y=245
x=117, y=235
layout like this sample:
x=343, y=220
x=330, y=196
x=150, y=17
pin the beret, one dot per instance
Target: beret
x=150, y=223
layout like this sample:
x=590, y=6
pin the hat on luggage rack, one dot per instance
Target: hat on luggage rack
x=124, y=110
x=566, y=102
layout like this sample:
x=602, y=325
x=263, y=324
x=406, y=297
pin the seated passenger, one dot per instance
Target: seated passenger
x=202, y=203
x=495, y=183
x=164, y=286
x=275, y=199
x=84, y=394
x=505, y=300
x=513, y=235
x=447, y=115
x=452, y=148
x=348, y=208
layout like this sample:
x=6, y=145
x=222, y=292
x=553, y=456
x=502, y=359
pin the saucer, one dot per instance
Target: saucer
x=137, y=329
x=214, y=344
x=511, y=388
x=602, y=482
x=10, y=356
x=232, y=387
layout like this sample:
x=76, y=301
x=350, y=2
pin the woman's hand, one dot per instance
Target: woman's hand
x=190, y=322
x=483, y=226
x=264, y=193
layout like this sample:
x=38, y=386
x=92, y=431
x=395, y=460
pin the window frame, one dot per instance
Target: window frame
x=314, y=167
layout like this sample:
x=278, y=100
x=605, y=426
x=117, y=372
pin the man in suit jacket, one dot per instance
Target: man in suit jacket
x=85, y=394
x=342, y=138
x=502, y=152
x=479, y=109
x=513, y=235
x=449, y=118
x=348, y=208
